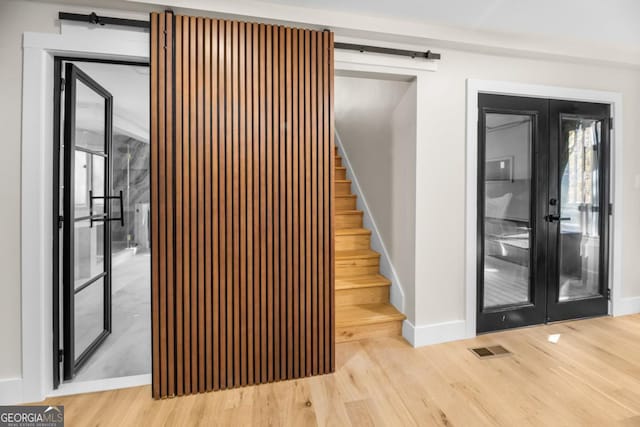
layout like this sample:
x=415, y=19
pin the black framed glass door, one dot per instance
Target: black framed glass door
x=578, y=210
x=87, y=210
x=542, y=211
x=511, y=243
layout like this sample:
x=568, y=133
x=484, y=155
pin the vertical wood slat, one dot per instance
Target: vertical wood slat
x=215, y=118
x=156, y=369
x=289, y=299
x=276, y=206
x=296, y=207
x=263, y=223
x=222, y=331
x=307, y=200
x=331, y=310
x=314, y=206
x=229, y=172
x=193, y=198
x=208, y=336
x=185, y=231
x=179, y=200
x=242, y=203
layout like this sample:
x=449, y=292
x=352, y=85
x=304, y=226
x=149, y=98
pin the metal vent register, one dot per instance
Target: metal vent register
x=490, y=352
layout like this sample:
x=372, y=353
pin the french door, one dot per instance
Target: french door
x=543, y=211
x=86, y=261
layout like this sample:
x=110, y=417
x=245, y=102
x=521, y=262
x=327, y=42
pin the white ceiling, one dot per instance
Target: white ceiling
x=600, y=21
x=610, y=21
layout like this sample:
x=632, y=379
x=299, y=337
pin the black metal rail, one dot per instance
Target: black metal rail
x=93, y=18
x=388, y=51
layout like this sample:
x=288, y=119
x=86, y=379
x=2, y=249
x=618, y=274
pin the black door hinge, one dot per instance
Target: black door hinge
x=609, y=293
x=60, y=355
x=60, y=221
x=610, y=208
x=610, y=123
x=62, y=83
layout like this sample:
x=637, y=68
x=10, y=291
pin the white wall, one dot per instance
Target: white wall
x=13, y=22
x=376, y=121
x=401, y=238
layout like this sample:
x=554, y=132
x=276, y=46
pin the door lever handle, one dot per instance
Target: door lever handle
x=553, y=218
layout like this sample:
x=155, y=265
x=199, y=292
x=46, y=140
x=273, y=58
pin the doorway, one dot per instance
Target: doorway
x=101, y=295
x=543, y=211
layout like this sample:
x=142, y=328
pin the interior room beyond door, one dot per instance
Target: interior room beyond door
x=543, y=211
x=101, y=208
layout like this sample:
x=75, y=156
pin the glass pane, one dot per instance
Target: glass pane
x=507, y=222
x=89, y=176
x=89, y=251
x=130, y=174
x=82, y=184
x=88, y=315
x=89, y=118
x=579, y=254
x=97, y=183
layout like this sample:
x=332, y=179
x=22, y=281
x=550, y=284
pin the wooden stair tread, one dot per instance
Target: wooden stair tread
x=366, y=314
x=352, y=231
x=356, y=254
x=368, y=281
x=346, y=196
x=349, y=212
x=343, y=181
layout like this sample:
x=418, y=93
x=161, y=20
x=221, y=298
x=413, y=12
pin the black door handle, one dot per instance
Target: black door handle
x=553, y=218
x=105, y=217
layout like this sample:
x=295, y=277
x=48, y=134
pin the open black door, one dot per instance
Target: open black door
x=578, y=210
x=86, y=265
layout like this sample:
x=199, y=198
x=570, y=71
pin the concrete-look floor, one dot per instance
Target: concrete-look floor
x=127, y=350
x=584, y=372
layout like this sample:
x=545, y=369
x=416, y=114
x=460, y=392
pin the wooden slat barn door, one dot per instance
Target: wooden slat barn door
x=242, y=203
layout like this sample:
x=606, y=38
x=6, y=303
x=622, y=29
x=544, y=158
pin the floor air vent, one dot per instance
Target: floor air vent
x=490, y=352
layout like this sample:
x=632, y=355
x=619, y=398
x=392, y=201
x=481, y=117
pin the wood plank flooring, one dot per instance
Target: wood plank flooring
x=591, y=376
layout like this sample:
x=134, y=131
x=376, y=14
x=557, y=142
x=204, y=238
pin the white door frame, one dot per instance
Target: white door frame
x=75, y=40
x=474, y=88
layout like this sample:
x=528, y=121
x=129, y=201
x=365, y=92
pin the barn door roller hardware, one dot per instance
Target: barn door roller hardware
x=93, y=18
x=388, y=51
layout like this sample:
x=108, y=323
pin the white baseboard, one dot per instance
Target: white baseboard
x=436, y=333
x=101, y=385
x=11, y=391
x=626, y=306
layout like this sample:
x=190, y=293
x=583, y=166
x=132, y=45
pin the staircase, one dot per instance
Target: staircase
x=362, y=293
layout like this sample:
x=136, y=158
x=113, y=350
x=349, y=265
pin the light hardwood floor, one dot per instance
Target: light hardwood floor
x=591, y=376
